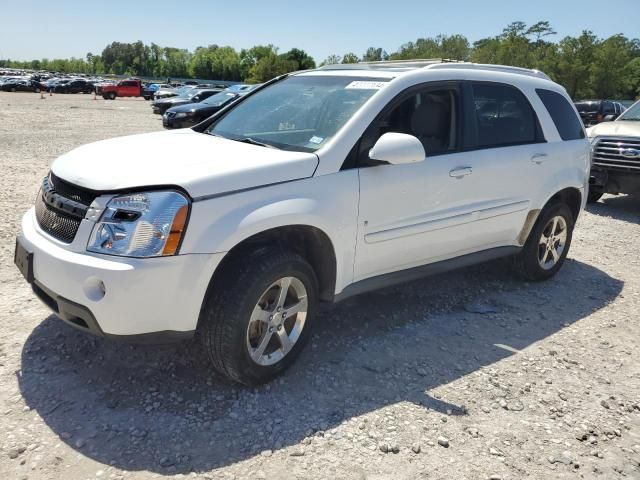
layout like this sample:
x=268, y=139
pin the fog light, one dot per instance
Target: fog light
x=94, y=289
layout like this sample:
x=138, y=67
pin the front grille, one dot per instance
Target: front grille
x=621, y=154
x=68, y=190
x=61, y=206
x=56, y=223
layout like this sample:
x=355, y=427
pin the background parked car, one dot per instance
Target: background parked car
x=593, y=112
x=131, y=87
x=21, y=85
x=77, y=85
x=172, y=92
x=150, y=89
x=193, y=95
x=193, y=113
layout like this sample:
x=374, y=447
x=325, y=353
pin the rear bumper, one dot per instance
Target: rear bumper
x=131, y=299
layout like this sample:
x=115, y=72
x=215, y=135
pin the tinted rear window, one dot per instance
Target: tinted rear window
x=563, y=116
x=504, y=116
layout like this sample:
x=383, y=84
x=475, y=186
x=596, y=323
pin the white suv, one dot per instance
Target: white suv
x=314, y=187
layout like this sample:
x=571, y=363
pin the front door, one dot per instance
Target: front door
x=471, y=193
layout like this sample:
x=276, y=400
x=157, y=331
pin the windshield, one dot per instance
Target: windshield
x=219, y=99
x=298, y=113
x=193, y=92
x=632, y=113
x=182, y=91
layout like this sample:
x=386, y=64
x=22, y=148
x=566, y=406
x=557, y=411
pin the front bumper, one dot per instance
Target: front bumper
x=182, y=122
x=150, y=299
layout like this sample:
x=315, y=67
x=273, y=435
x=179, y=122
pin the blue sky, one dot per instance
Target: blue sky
x=63, y=28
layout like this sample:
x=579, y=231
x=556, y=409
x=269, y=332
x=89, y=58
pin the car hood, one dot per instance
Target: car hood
x=618, y=128
x=171, y=100
x=199, y=163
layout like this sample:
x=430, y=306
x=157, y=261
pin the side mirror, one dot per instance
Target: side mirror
x=609, y=118
x=397, y=149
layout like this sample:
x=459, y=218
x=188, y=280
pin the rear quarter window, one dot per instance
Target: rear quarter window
x=564, y=117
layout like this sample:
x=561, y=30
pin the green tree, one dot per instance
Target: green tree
x=350, y=58
x=374, y=54
x=331, y=60
x=302, y=58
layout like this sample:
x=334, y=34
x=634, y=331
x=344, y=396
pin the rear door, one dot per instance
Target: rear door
x=504, y=145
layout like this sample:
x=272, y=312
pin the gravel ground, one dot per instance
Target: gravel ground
x=468, y=375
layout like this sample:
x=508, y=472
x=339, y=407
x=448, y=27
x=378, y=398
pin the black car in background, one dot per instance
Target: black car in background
x=190, y=114
x=193, y=95
x=21, y=85
x=593, y=112
x=78, y=85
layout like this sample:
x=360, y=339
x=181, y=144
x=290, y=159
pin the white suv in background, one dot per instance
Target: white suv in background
x=314, y=187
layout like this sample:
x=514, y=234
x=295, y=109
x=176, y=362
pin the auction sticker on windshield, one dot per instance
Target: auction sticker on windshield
x=364, y=85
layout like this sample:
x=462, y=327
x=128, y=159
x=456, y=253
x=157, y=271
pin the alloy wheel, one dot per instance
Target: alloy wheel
x=277, y=321
x=552, y=242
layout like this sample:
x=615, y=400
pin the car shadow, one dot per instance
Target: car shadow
x=163, y=409
x=621, y=207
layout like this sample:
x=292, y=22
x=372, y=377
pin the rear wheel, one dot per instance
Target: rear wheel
x=546, y=248
x=594, y=195
x=258, y=317
x=112, y=95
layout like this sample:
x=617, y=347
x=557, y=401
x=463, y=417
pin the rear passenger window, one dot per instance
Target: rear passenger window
x=564, y=117
x=504, y=116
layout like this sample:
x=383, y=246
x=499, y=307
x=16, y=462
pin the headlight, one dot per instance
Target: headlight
x=184, y=114
x=146, y=224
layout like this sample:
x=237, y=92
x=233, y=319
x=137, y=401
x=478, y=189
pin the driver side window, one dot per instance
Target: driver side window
x=429, y=114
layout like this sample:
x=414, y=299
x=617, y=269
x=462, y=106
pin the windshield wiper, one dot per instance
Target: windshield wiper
x=255, y=142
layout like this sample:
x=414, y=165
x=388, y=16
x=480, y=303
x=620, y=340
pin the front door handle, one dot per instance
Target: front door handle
x=460, y=172
x=539, y=158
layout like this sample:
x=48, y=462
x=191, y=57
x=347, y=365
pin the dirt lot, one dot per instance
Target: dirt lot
x=467, y=375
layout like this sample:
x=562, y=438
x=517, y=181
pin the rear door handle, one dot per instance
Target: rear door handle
x=539, y=158
x=460, y=172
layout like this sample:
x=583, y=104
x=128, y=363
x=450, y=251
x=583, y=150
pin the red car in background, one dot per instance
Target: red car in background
x=125, y=88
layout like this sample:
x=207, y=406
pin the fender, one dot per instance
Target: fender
x=328, y=203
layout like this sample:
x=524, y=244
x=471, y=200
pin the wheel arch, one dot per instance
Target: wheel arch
x=311, y=242
x=571, y=196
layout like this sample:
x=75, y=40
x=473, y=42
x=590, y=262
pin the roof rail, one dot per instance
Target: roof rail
x=500, y=68
x=388, y=64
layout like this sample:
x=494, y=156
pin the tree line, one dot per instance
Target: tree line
x=586, y=65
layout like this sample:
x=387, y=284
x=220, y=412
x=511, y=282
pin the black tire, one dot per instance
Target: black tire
x=37, y=90
x=594, y=195
x=527, y=261
x=112, y=95
x=227, y=309
x=13, y=89
x=105, y=97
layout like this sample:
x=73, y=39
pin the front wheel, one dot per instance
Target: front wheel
x=112, y=95
x=546, y=248
x=258, y=317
